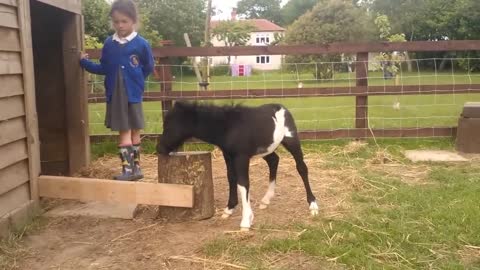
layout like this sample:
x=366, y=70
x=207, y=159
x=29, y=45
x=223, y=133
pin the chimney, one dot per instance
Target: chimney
x=234, y=14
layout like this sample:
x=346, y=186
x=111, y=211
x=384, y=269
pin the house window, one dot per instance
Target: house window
x=264, y=59
x=262, y=39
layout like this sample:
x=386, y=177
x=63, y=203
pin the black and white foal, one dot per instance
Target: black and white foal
x=241, y=133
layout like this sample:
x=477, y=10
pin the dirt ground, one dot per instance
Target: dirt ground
x=147, y=243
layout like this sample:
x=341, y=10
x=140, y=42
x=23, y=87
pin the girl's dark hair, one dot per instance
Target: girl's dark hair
x=126, y=7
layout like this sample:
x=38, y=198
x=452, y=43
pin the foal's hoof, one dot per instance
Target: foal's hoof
x=244, y=229
x=227, y=213
x=263, y=206
x=313, y=209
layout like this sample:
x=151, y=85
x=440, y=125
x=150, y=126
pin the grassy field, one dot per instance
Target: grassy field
x=328, y=112
x=429, y=223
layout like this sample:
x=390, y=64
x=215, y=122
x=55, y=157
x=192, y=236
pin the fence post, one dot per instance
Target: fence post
x=361, y=107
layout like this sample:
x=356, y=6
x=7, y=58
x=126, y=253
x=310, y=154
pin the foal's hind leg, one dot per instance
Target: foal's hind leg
x=232, y=183
x=272, y=161
x=292, y=144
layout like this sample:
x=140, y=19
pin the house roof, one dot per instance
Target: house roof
x=261, y=25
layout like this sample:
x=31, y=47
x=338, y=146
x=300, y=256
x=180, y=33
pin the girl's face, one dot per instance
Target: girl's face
x=122, y=24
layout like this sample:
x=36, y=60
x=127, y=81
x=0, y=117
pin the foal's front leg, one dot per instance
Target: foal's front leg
x=232, y=184
x=241, y=165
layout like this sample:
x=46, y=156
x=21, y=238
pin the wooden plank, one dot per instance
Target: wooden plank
x=332, y=134
x=76, y=96
x=12, y=3
x=11, y=107
x=12, y=85
x=33, y=141
x=332, y=48
x=8, y=16
x=86, y=189
x=10, y=40
x=12, y=130
x=13, y=153
x=10, y=63
x=304, y=92
x=18, y=218
x=74, y=6
x=14, y=199
x=13, y=176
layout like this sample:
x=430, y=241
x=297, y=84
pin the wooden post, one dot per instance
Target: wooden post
x=191, y=168
x=76, y=97
x=361, y=111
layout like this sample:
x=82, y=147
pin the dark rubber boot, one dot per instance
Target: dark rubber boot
x=137, y=171
x=126, y=156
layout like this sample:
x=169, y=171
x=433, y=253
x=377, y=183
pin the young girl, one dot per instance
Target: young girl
x=126, y=61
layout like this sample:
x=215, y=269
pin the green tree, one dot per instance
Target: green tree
x=296, y=8
x=97, y=20
x=174, y=18
x=334, y=21
x=261, y=9
x=233, y=33
x=147, y=30
x=389, y=62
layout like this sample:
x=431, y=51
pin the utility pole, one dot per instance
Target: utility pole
x=206, y=73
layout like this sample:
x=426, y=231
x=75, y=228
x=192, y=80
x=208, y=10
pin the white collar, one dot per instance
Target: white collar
x=124, y=39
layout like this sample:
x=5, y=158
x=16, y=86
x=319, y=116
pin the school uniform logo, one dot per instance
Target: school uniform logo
x=134, y=60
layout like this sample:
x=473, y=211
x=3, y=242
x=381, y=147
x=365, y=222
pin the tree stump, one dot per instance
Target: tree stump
x=189, y=168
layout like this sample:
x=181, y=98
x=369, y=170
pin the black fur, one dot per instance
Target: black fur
x=240, y=132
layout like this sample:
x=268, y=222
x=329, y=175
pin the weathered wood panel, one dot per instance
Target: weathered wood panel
x=8, y=16
x=12, y=3
x=13, y=153
x=76, y=95
x=14, y=199
x=13, y=176
x=74, y=6
x=12, y=85
x=12, y=130
x=10, y=40
x=11, y=107
x=10, y=63
x=33, y=140
x=87, y=189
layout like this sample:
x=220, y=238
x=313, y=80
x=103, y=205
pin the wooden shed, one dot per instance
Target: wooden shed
x=43, y=101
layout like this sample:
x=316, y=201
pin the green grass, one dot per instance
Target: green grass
x=333, y=112
x=327, y=112
x=393, y=226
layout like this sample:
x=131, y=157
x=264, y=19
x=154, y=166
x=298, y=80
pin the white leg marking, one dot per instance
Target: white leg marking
x=268, y=196
x=247, y=214
x=227, y=212
x=313, y=208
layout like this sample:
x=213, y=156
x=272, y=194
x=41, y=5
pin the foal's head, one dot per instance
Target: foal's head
x=179, y=126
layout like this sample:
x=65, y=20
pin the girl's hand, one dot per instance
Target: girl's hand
x=84, y=55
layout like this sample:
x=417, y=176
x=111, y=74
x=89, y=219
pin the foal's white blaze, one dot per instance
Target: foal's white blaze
x=313, y=208
x=268, y=196
x=247, y=214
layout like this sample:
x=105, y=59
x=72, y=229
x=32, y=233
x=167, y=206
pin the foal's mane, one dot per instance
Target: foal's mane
x=211, y=108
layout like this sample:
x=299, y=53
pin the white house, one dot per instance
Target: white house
x=264, y=34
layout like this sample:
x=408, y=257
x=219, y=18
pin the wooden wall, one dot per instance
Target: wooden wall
x=60, y=89
x=19, y=162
